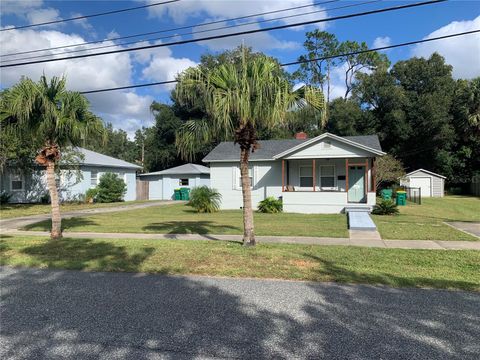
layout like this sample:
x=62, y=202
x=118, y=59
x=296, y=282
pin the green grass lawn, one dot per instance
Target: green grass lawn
x=425, y=222
x=394, y=267
x=8, y=211
x=182, y=219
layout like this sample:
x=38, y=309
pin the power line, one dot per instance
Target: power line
x=197, y=32
x=221, y=36
x=302, y=61
x=173, y=29
x=90, y=16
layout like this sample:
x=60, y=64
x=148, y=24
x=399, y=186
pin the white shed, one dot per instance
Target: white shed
x=430, y=183
x=161, y=184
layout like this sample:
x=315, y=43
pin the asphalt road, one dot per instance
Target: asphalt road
x=76, y=315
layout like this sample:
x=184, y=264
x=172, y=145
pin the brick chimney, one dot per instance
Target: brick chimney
x=301, y=136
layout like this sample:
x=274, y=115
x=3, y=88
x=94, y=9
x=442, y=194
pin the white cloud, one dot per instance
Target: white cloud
x=43, y=15
x=462, y=52
x=382, y=41
x=125, y=109
x=166, y=68
x=83, y=23
x=19, y=7
x=222, y=10
x=258, y=41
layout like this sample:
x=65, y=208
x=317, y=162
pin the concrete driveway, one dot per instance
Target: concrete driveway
x=77, y=315
x=472, y=228
x=19, y=222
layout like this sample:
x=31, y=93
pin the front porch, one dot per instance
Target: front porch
x=325, y=185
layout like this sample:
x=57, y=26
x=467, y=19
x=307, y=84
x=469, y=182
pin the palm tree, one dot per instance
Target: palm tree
x=239, y=100
x=48, y=114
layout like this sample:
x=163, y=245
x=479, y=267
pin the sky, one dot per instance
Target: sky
x=129, y=109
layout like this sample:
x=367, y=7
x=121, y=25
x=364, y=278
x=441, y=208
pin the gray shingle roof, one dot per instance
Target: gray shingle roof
x=227, y=151
x=182, y=169
x=96, y=159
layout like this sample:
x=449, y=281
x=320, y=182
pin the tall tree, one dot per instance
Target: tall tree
x=46, y=111
x=319, y=44
x=238, y=101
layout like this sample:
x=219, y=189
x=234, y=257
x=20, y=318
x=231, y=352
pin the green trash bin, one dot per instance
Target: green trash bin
x=386, y=194
x=177, y=194
x=401, y=198
x=185, y=193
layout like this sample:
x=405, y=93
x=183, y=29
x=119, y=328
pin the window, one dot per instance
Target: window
x=250, y=175
x=306, y=176
x=183, y=182
x=16, y=182
x=94, y=178
x=327, y=176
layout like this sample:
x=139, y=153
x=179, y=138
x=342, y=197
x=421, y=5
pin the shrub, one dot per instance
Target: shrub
x=110, y=188
x=45, y=198
x=4, y=197
x=385, y=207
x=204, y=199
x=270, y=205
x=90, y=195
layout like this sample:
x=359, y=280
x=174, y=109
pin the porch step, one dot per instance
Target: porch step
x=360, y=220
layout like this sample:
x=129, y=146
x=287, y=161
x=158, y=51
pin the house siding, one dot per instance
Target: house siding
x=73, y=183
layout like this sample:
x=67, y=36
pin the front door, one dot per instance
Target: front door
x=356, y=184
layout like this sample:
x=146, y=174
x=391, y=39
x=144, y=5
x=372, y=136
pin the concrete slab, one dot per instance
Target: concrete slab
x=460, y=245
x=413, y=244
x=360, y=220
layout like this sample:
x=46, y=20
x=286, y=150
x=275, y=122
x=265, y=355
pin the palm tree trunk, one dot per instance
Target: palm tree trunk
x=248, y=233
x=56, y=232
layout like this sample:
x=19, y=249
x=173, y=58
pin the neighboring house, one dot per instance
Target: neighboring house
x=324, y=174
x=430, y=183
x=74, y=181
x=161, y=184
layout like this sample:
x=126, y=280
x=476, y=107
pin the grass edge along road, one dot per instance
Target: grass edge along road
x=345, y=264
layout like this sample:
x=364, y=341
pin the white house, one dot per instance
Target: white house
x=430, y=183
x=30, y=186
x=324, y=174
x=161, y=184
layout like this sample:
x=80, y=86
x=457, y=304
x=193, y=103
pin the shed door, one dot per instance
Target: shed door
x=425, y=183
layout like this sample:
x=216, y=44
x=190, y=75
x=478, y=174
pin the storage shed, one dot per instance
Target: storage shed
x=161, y=184
x=430, y=183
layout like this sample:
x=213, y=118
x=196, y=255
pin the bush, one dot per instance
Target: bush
x=90, y=195
x=204, y=199
x=110, y=188
x=270, y=205
x=385, y=207
x=4, y=197
x=45, y=198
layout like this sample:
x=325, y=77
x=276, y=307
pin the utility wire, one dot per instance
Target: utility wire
x=171, y=30
x=196, y=32
x=181, y=42
x=301, y=61
x=89, y=16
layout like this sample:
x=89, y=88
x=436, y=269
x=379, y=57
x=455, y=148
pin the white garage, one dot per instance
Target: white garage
x=162, y=184
x=430, y=183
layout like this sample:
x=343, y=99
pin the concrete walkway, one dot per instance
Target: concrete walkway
x=366, y=242
x=20, y=222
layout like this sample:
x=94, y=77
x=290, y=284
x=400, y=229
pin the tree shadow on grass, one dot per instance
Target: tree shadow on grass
x=67, y=224
x=340, y=274
x=81, y=254
x=189, y=227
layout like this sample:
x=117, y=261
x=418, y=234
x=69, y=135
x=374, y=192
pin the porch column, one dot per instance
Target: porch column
x=366, y=176
x=283, y=175
x=346, y=175
x=313, y=171
x=374, y=183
